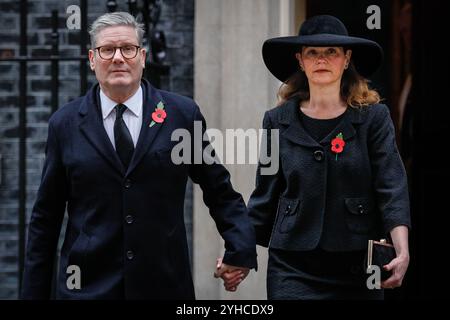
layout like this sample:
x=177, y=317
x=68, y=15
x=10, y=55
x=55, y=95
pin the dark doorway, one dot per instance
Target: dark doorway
x=429, y=116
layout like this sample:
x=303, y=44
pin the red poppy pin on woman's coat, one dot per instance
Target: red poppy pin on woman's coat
x=337, y=144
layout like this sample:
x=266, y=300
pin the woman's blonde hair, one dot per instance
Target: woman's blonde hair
x=354, y=88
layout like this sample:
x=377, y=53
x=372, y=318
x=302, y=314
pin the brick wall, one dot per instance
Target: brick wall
x=177, y=23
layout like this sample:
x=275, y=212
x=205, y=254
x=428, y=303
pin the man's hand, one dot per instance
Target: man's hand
x=232, y=276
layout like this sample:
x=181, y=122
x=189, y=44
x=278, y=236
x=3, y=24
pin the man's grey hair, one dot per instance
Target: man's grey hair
x=115, y=19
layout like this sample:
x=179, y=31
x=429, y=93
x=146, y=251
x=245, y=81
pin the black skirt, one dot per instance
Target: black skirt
x=318, y=275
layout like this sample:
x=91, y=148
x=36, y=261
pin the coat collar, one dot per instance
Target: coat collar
x=295, y=132
x=91, y=125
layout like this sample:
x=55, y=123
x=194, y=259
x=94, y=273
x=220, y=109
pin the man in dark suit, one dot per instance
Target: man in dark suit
x=108, y=161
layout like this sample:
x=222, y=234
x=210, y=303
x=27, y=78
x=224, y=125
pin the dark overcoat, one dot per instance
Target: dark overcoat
x=125, y=228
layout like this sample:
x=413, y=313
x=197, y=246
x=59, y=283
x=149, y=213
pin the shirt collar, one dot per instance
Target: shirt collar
x=134, y=103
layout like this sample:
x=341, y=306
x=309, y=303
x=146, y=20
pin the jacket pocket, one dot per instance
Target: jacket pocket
x=177, y=268
x=359, y=217
x=287, y=214
x=77, y=254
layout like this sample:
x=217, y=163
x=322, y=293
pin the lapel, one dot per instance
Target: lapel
x=296, y=133
x=351, y=117
x=151, y=97
x=344, y=126
x=91, y=125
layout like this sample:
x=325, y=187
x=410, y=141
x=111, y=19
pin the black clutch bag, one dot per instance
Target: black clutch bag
x=380, y=253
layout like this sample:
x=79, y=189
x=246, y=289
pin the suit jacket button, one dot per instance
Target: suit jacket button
x=129, y=219
x=318, y=155
x=127, y=183
x=130, y=255
x=360, y=209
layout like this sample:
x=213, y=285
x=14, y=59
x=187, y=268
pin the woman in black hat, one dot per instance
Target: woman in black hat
x=340, y=181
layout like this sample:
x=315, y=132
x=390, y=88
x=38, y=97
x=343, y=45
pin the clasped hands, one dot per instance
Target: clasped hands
x=232, y=276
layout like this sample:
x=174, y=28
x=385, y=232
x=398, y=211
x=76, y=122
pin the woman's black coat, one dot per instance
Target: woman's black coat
x=318, y=199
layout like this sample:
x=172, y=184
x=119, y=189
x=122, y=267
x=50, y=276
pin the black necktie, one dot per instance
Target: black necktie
x=122, y=137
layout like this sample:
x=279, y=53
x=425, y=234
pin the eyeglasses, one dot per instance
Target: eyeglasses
x=108, y=52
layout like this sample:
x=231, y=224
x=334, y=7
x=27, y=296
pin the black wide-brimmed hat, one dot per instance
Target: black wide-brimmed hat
x=320, y=31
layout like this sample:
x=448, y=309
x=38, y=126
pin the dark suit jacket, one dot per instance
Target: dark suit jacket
x=125, y=228
x=315, y=200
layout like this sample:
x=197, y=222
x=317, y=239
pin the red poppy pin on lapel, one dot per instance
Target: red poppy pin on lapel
x=158, y=115
x=337, y=144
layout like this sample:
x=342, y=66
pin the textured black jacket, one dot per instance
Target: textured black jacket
x=316, y=199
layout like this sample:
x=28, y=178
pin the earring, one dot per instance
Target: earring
x=346, y=66
x=301, y=68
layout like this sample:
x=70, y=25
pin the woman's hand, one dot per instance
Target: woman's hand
x=398, y=266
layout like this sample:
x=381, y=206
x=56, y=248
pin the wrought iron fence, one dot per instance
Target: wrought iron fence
x=148, y=11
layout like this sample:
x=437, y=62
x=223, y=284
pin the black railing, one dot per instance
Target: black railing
x=149, y=12
x=22, y=135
